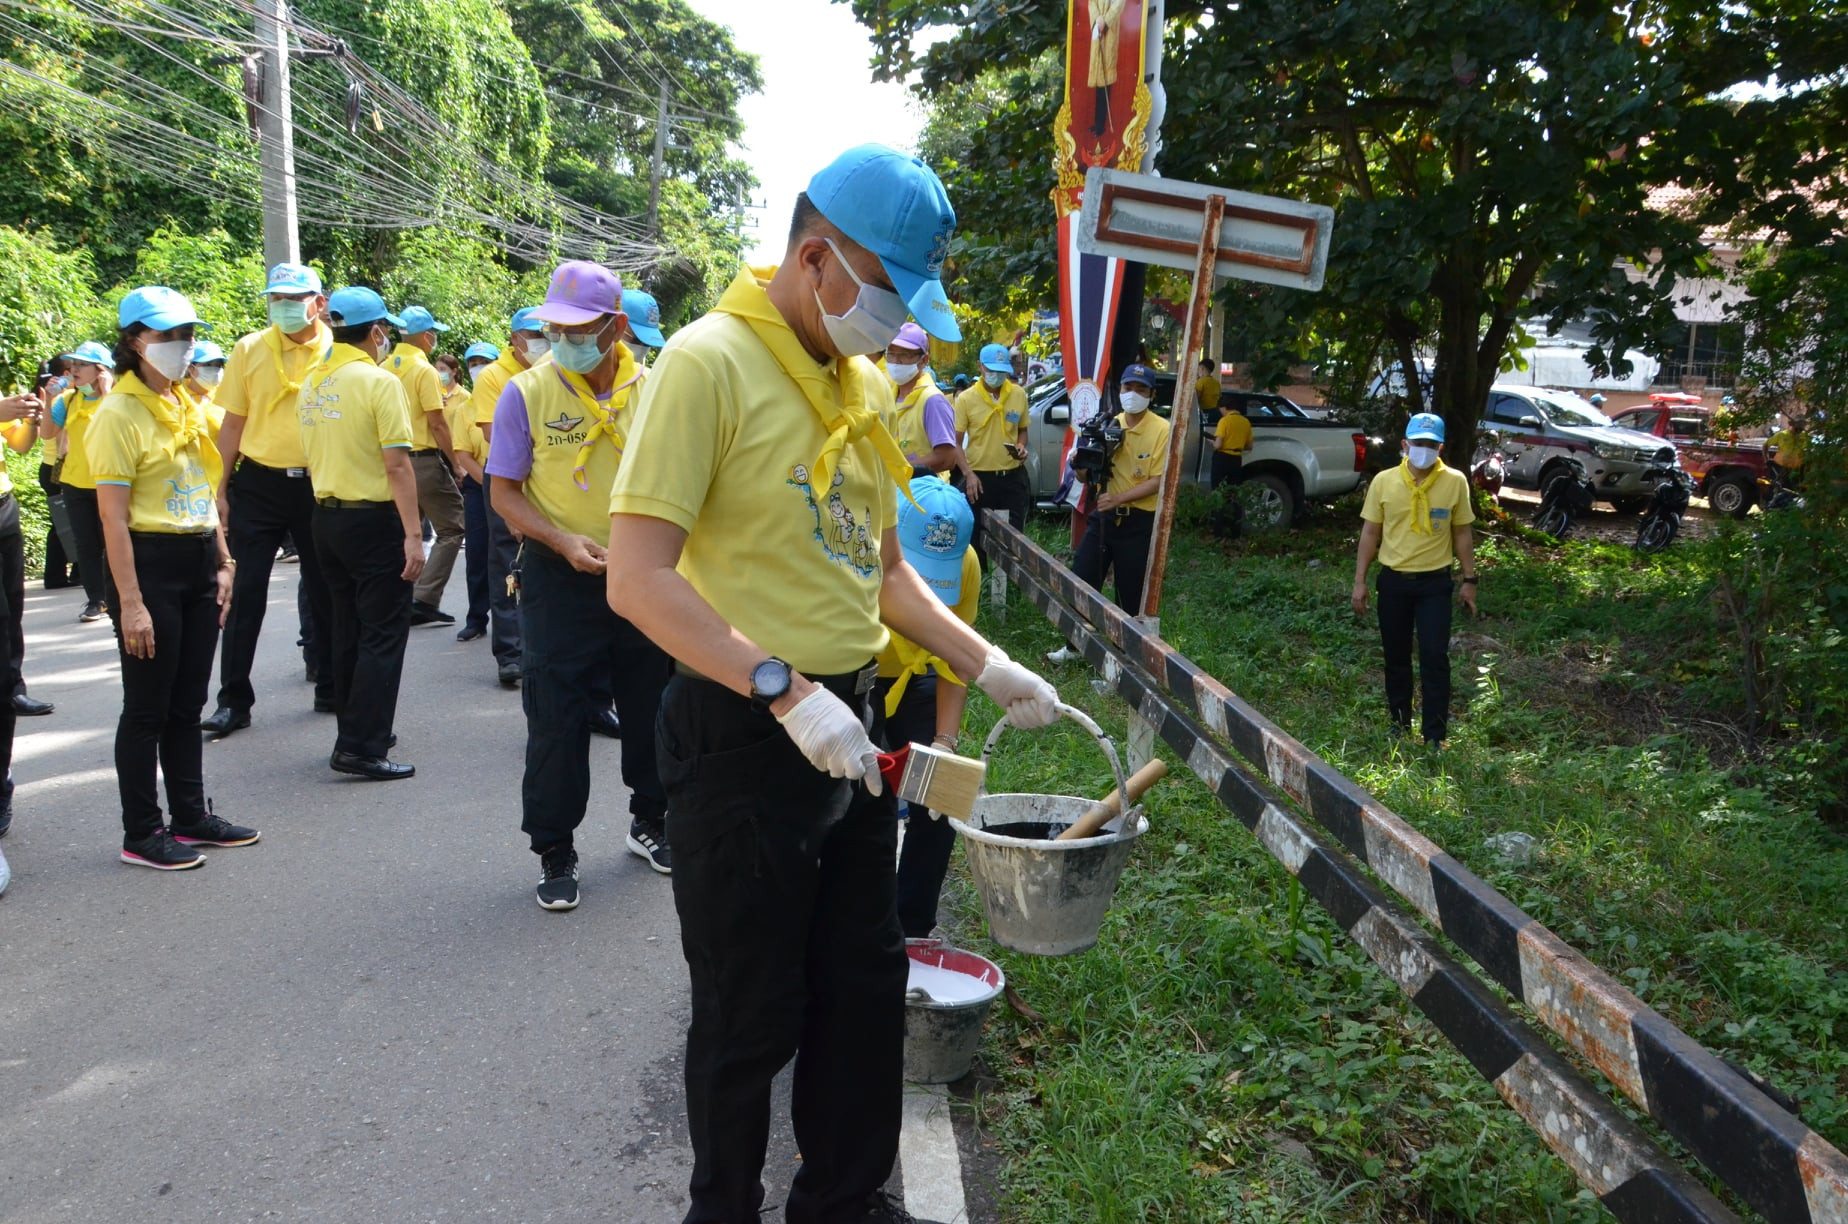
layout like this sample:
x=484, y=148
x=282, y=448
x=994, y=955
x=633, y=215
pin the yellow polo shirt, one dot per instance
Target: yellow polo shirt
x=349, y=411
x=991, y=420
x=170, y=489
x=1206, y=392
x=9, y=433
x=491, y=382
x=422, y=389
x=722, y=446
x=1788, y=444
x=1389, y=503
x=1232, y=436
x=559, y=422
x=1144, y=453
x=262, y=383
x=464, y=434
x=79, y=411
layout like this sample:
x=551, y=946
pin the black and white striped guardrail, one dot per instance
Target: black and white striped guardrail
x=1767, y=1156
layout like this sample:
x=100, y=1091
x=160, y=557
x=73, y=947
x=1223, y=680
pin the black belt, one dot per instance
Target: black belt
x=294, y=473
x=428, y=450
x=341, y=503
x=859, y=683
x=1417, y=573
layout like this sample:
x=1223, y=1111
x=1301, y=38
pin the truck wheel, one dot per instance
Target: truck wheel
x=1270, y=504
x=1730, y=495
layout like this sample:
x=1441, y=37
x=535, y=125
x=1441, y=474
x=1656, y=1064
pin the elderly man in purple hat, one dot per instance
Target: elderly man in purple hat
x=560, y=430
x=922, y=422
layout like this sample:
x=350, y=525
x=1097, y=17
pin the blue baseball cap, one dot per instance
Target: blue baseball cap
x=644, y=316
x=481, y=349
x=158, y=308
x=996, y=357
x=205, y=353
x=1424, y=427
x=91, y=353
x=356, y=304
x=895, y=206
x=417, y=320
x=293, y=278
x=523, y=320
x=1138, y=374
x=935, y=533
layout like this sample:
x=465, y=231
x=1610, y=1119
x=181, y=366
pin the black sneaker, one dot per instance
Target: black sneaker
x=429, y=614
x=510, y=675
x=882, y=1208
x=159, y=851
x=558, y=880
x=92, y=611
x=649, y=842
x=212, y=830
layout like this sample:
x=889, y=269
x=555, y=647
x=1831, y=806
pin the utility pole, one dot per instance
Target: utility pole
x=276, y=137
x=659, y=167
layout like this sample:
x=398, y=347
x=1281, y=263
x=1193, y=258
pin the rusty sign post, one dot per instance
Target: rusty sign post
x=1209, y=232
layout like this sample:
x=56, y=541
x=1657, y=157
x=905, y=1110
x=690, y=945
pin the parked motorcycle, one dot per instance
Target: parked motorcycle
x=1669, y=502
x=1488, y=467
x=1777, y=495
x=1567, y=497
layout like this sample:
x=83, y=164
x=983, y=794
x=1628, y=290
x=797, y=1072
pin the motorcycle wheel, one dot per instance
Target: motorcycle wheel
x=1655, y=534
x=1553, y=521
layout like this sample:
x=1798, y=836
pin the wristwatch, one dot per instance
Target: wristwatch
x=1468, y=580
x=769, y=681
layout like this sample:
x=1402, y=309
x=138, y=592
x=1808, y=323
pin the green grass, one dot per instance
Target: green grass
x=1227, y=1053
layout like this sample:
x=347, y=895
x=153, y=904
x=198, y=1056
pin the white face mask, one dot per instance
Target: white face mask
x=210, y=375
x=536, y=348
x=1421, y=456
x=475, y=373
x=1134, y=402
x=902, y=374
x=171, y=357
x=872, y=320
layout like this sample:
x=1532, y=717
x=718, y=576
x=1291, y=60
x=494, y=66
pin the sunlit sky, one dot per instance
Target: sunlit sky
x=819, y=98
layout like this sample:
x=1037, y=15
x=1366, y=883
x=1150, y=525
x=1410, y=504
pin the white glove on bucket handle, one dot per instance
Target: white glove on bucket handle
x=1029, y=700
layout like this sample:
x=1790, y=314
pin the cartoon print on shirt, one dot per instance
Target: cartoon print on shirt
x=842, y=536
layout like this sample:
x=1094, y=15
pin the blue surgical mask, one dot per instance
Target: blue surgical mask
x=994, y=381
x=289, y=315
x=579, y=354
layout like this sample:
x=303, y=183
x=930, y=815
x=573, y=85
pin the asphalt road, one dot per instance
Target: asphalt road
x=364, y=1017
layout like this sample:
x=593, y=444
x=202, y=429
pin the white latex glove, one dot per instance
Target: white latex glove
x=1029, y=701
x=831, y=737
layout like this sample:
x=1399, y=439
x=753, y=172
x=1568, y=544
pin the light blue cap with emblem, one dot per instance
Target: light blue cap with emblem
x=418, y=320
x=644, y=316
x=356, y=304
x=895, y=206
x=934, y=529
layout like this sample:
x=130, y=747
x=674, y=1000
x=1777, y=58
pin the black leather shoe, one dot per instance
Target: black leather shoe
x=605, y=722
x=510, y=675
x=27, y=706
x=325, y=705
x=469, y=633
x=224, y=720
x=376, y=768
x=429, y=614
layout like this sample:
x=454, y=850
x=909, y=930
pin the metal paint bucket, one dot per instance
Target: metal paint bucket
x=1045, y=897
x=943, y=1027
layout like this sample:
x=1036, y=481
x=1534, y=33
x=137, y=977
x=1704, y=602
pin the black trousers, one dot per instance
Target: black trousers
x=475, y=550
x=163, y=696
x=1117, y=540
x=13, y=642
x=362, y=555
x=924, y=855
x=784, y=883
x=59, y=561
x=503, y=605
x=266, y=505
x=1417, y=605
x=576, y=649
x=1227, y=469
x=87, y=534
x=1001, y=491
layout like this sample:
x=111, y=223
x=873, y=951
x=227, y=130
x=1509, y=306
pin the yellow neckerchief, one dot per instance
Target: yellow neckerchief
x=185, y=423
x=334, y=358
x=272, y=340
x=847, y=421
x=913, y=660
x=994, y=402
x=603, y=420
x=1421, y=503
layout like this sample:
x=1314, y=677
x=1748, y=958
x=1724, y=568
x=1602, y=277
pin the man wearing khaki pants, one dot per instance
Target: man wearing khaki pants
x=438, y=498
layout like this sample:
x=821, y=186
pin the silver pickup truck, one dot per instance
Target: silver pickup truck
x=1294, y=458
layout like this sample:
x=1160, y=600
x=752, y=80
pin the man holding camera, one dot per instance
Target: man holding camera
x=1122, y=518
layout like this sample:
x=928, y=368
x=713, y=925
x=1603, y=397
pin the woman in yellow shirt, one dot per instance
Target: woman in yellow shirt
x=157, y=473
x=88, y=369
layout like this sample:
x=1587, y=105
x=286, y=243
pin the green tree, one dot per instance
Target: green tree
x=46, y=302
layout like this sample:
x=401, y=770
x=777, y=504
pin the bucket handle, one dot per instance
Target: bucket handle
x=1082, y=719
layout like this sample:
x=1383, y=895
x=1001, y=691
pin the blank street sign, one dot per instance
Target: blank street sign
x=1155, y=220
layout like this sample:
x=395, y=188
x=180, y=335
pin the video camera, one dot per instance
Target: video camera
x=1097, y=441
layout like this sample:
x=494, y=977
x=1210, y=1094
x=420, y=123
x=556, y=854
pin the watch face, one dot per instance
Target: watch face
x=770, y=679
